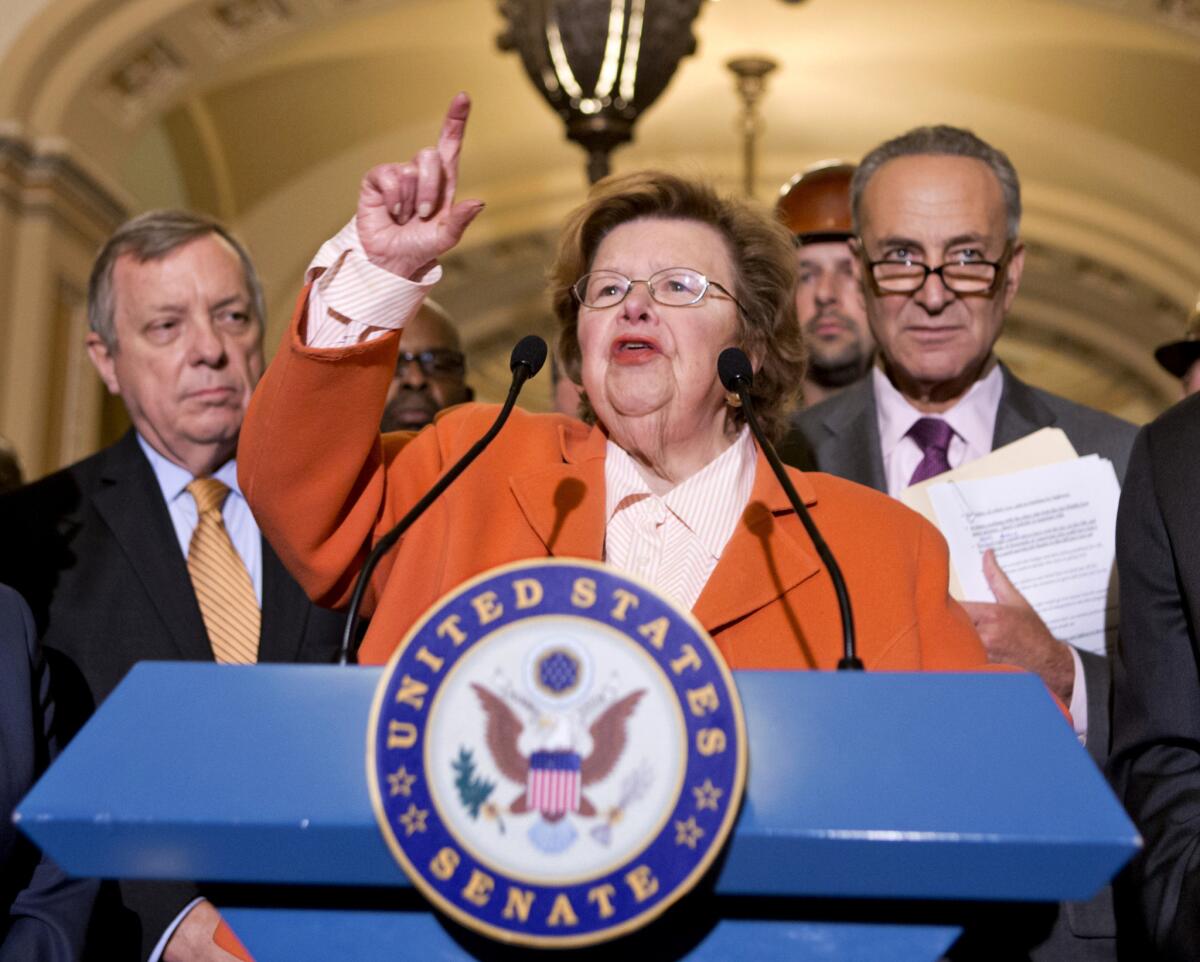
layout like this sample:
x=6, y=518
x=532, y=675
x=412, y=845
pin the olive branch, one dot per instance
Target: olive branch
x=472, y=791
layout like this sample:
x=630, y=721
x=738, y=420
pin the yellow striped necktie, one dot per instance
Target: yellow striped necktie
x=222, y=583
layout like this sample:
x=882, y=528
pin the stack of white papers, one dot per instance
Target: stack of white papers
x=1053, y=528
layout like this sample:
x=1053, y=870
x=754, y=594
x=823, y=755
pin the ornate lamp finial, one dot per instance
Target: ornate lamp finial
x=751, y=74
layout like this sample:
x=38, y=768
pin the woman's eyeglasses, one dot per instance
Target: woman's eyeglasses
x=674, y=287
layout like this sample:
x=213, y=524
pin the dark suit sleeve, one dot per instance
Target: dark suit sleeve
x=48, y=915
x=1156, y=704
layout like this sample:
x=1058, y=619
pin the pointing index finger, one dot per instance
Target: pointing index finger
x=449, y=144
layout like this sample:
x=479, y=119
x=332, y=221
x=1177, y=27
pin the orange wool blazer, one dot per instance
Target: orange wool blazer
x=323, y=484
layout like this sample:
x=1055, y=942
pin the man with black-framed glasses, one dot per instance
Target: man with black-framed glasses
x=430, y=372
x=937, y=214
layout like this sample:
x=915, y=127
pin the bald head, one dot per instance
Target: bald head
x=432, y=328
x=430, y=373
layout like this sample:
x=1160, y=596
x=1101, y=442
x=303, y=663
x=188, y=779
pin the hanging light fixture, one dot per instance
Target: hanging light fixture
x=599, y=63
x=751, y=77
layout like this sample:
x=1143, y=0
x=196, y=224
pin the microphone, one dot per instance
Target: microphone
x=529, y=354
x=736, y=374
x=525, y=361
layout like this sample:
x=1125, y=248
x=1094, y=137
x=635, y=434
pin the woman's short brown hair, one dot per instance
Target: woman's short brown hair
x=760, y=248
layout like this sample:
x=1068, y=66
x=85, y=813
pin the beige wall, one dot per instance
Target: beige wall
x=52, y=220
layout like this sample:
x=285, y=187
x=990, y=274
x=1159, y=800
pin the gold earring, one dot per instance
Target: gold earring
x=733, y=399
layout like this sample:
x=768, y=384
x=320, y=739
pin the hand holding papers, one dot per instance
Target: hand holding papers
x=1014, y=634
x=1051, y=527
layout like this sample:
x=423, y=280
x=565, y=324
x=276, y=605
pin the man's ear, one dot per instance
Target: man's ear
x=104, y=362
x=1012, y=277
x=856, y=247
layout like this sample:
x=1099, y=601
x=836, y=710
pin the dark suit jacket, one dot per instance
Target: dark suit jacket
x=841, y=436
x=93, y=550
x=1155, y=762
x=43, y=914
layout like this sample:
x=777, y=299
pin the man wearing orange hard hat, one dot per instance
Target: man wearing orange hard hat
x=815, y=207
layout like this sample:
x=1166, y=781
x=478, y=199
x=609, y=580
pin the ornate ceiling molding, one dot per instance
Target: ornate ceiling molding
x=132, y=61
x=1087, y=329
x=53, y=184
x=496, y=294
x=1101, y=291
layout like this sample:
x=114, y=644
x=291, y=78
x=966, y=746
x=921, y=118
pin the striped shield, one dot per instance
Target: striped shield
x=552, y=785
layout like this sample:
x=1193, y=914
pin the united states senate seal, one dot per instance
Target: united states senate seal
x=556, y=753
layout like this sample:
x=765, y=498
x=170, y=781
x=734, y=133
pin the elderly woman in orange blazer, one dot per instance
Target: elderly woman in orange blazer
x=655, y=276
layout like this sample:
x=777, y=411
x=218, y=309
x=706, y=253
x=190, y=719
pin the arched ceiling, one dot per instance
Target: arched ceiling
x=266, y=112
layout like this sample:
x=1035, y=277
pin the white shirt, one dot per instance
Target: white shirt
x=675, y=541
x=352, y=300
x=239, y=522
x=973, y=419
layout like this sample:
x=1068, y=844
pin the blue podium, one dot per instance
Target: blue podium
x=883, y=812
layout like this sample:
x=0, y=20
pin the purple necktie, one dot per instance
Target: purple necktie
x=933, y=435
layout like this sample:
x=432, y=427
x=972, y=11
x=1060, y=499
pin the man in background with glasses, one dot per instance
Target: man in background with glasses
x=937, y=212
x=430, y=372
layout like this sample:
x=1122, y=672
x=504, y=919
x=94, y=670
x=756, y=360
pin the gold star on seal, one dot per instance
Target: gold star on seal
x=707, y=795
x=401, y=782
x=414, y=819
x=688, y=833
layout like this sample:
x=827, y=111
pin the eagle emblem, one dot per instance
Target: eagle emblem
x=556, y=753
x=554, y=777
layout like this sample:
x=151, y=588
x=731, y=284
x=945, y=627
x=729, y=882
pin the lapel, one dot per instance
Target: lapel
x=285, y=610
x=1021, y=411
x=564, y=503
x=129, y=501
x=761, y=561
x=849, y=447
x=1172, y=478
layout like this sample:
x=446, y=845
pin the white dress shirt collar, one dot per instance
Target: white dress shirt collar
x=173, y=479
x=709, y=503
x=235, y=512
x=973, y=419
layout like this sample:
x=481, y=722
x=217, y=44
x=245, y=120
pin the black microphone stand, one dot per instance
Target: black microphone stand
x=737, y=375
x=527, y=359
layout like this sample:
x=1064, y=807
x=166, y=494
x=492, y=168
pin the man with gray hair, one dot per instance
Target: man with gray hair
x=937, y=214
x=147, y=550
